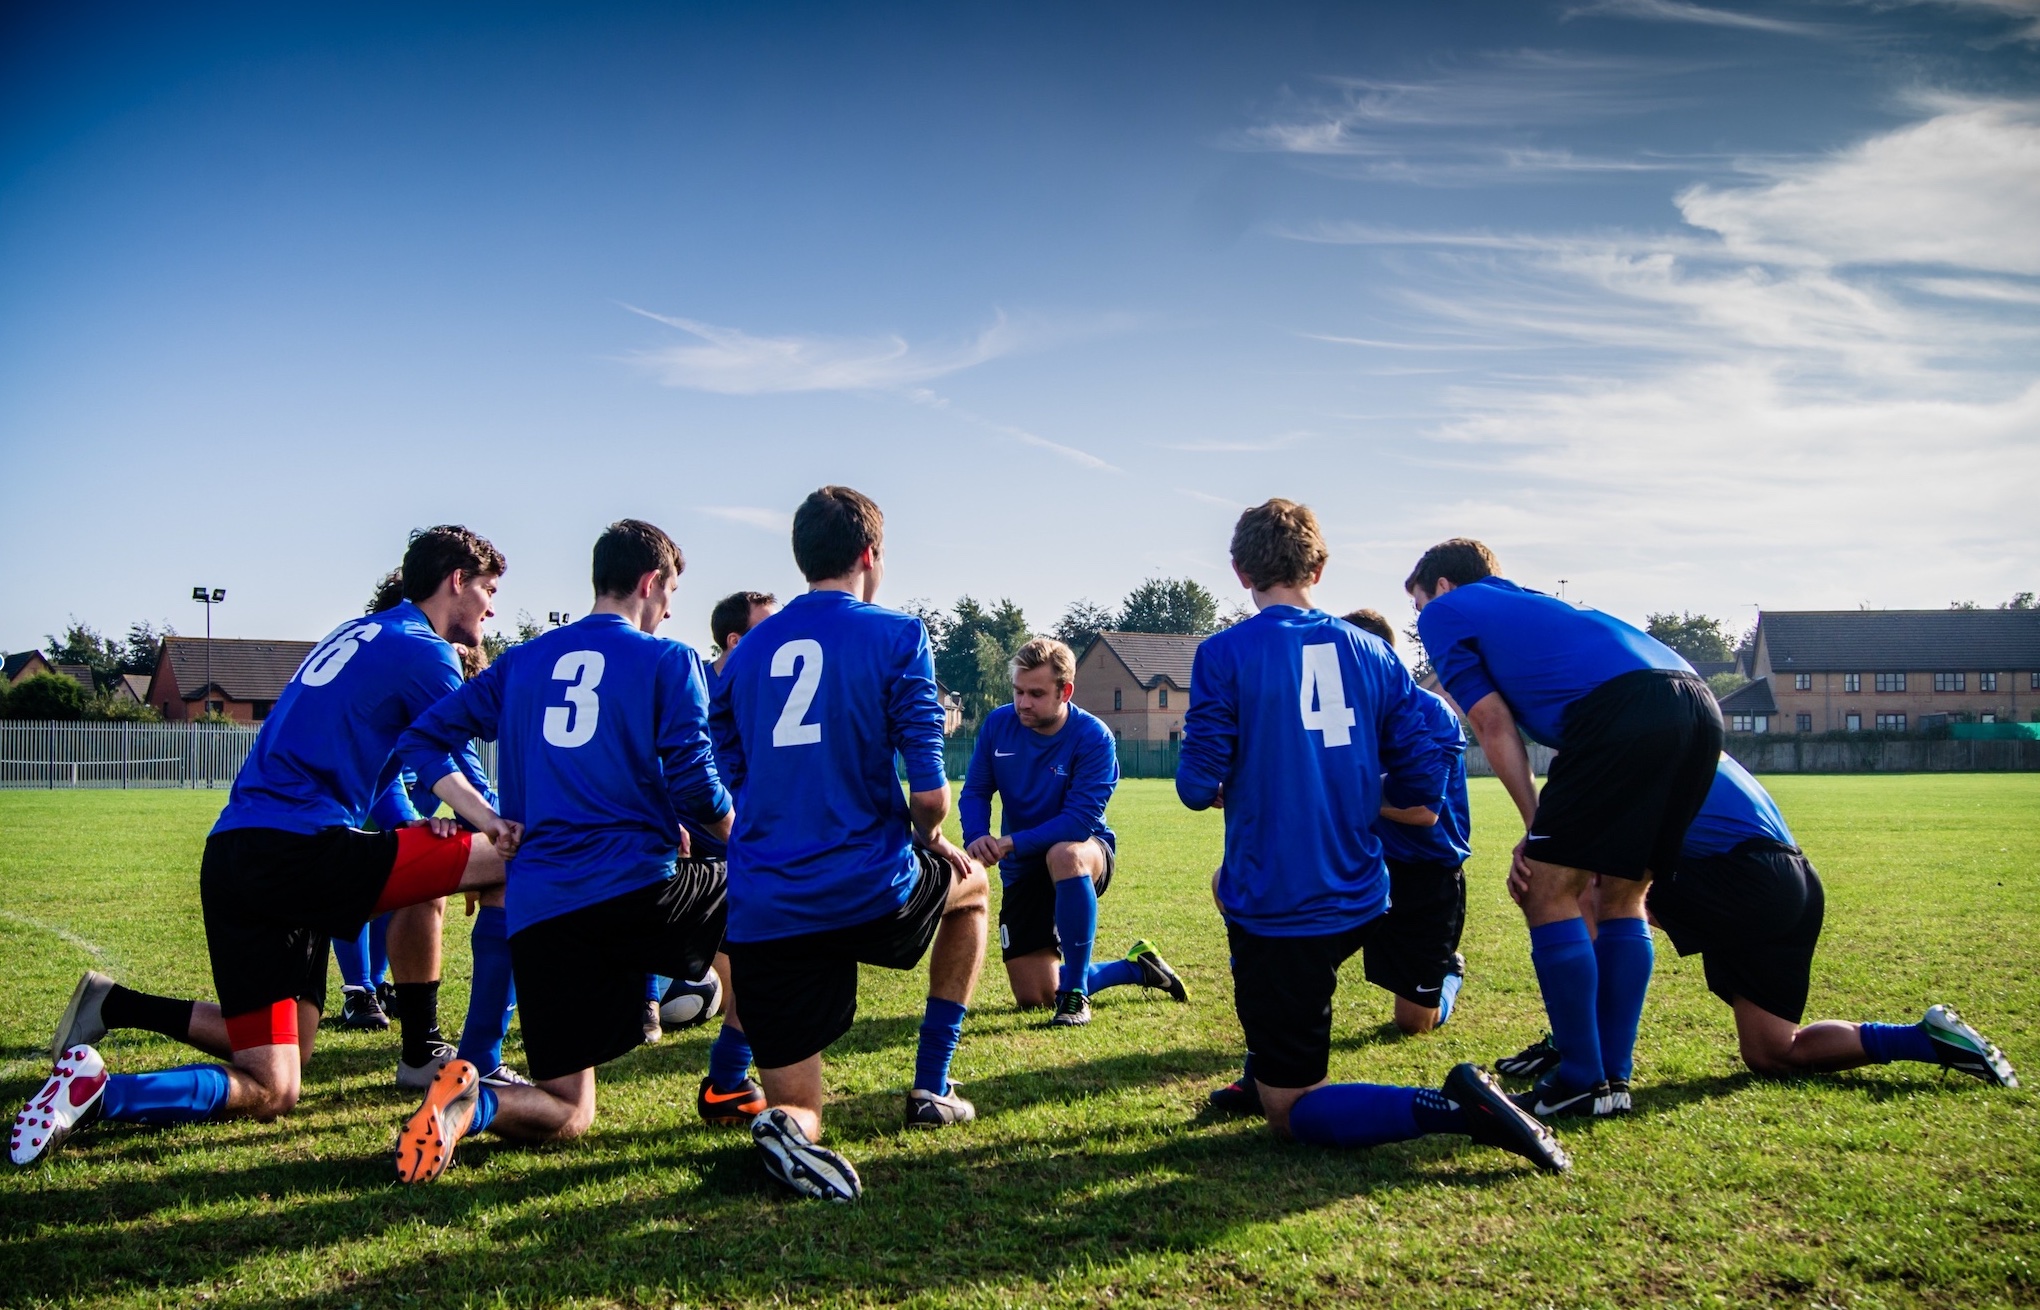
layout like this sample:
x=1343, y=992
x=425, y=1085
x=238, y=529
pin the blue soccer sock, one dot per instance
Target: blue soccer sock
x=351, y=954
x=1563, y=955
x=182, y=1095
x=729, y=1059
x=486, y=1105
x=492, y=993
x=1885, y=1042
x=1624, y=956
x=656, y=985
x=1076, y=924
x=1448, y=995
x=379, y=950
x=1112, y=973
x=941, y=1030
x=1355, y=1114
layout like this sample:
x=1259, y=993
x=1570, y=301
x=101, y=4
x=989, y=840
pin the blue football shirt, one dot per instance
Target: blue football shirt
x=1448, y=841
x=324, y=755
x=813, y=705
x=1306, y=722
x=1737, y=809
x=602, y=746
x=1051, y=789
x=1539, y=652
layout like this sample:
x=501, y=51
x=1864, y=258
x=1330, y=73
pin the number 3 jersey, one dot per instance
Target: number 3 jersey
x=602, y=735
x=1305, y=721
x=811, y=708
x=324, y=754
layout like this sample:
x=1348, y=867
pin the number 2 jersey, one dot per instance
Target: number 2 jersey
x=325, y=753
x=602, y=735
x=811, y=708
x=1305, y=721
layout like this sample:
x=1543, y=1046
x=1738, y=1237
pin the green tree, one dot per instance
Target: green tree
x=936, y=621
x=976, y=671
x=120, y=709
x=1080, y=625
x=1695, y=636
x=495, y=643
x=82, y=644
x=1169, y=605
x=2022, y=601
x=1726, y=681
x=144, y=640
x=46, y=696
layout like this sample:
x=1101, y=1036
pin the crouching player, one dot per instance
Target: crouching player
x=287, y=865
x=1297, y=725
x=830, y=866
x=603, y=734
x=1054, y=768
x=1743, y=897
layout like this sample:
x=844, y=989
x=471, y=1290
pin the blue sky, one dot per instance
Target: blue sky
x=1693, y=306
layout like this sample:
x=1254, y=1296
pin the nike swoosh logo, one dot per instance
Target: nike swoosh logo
x=1426, y=989
x=713, y=1097
x=1000, y=755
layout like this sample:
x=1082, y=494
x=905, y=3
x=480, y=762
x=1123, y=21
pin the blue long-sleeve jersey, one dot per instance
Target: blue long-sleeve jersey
x=1737, y=809
x=1051, y=789
x=325, y=756
x=810, y=710
x=602, y=735
x=407, y=798
x=1539, y=652
x=1448, y=841
x=1306, y=722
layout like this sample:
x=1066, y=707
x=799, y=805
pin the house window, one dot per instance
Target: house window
x=1749, y=723
x=1891, y=722
x=1853, y=722
x=1986, y=682
x=1986, y=717
x=215, y=707
x=262, y=708
x=1852, y=682
x=1802, y=682
x=1891, y=682
x=2033, y=682
x=1805, y=722
x=1175, y=737
x=1118, y=699
x=1165, y=698
x=1950, y=681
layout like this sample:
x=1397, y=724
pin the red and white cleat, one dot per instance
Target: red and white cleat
x=66, y=1103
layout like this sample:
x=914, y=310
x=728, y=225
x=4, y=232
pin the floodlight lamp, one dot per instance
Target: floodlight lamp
x=198, y=593
x=219, y=593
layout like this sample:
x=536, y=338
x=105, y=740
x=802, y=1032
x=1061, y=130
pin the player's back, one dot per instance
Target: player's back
x=1297, y=714
x=1541, y=653
x=323, y=755
x=811, y=708
x=1448, y=841
x=1737, y=809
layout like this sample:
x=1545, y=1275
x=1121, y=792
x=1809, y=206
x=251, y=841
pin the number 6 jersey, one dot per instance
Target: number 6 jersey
x=1299, y=716
x=603, y=748
x=808, y=714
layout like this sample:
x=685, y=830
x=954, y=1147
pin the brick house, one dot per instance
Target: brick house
x=1137, y=682
x=1851, y=670
x=26, y=664
x=247, y=676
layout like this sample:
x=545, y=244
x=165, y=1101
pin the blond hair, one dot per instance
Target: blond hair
x=1047, y=652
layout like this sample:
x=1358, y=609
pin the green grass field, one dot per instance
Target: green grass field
x=1094, y=1176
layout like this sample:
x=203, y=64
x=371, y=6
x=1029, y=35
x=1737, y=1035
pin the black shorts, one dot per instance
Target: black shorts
x=581, y=975
x=1282, y=991
x=1640, y=753
x=797, y=995
x=1419, y=939
x=1753, y=916
x=1027, y=906
x=272, y=900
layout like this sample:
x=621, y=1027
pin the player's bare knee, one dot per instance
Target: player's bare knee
x=1066, y=860
x=579, y=1120
x=1415, y=1023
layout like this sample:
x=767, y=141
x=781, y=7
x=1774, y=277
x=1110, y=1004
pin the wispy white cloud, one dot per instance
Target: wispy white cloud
x=1206, y=498
x=771, y=520
x=733, y=362
x=2024, y=13
x=1081, y=458
x=1679, y=11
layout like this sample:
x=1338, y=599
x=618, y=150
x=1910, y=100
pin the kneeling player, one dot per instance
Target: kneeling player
x=1743, y=897
x=1054, y=767
x=604, y=738
x=1298, y=724
x=830, y=867
x=287, y=865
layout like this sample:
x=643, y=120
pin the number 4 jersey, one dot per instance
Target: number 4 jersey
x=1305, y=721
x=811, y=708
x=323, y=756
x=602, y=733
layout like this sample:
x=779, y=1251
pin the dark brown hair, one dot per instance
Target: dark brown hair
x=1277, y=544
x=388, y=592
x=831, y=529
x=1371, y=621
x=1458, y=561
x=627, y=550
x=731, y=616
x=436, y=553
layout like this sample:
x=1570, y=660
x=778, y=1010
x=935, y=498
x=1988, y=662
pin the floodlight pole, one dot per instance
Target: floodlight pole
x=209, y=597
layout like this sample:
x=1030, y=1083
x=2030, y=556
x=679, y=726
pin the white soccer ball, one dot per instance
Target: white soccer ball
x=687, y=1004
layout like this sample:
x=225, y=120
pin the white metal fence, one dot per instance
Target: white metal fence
x=117, y=755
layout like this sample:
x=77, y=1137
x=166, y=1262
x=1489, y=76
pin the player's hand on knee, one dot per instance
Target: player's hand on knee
x=985, y=850
x=441, y=828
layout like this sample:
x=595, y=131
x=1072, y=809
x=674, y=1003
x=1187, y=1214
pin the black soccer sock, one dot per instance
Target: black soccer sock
x=124, y=1007
x=418, y=1012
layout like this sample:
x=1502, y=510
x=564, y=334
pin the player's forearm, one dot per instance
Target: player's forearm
x=468, y=804
x=1495, y=728
x=1413, y=816
x=927, y=810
